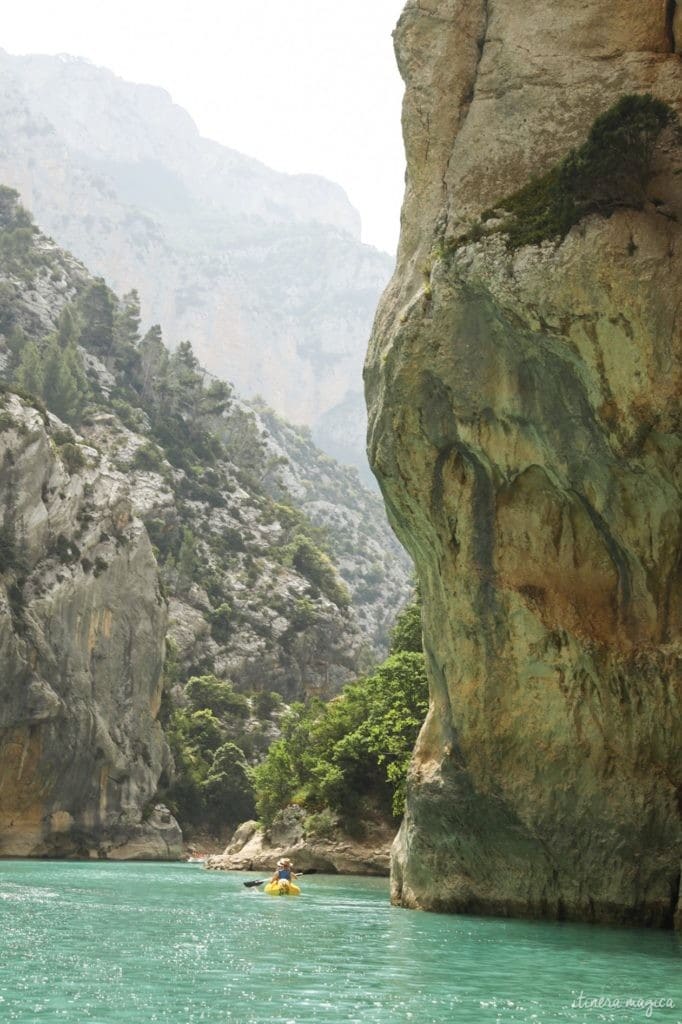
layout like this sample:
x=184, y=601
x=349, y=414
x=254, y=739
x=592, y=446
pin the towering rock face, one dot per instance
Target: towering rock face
x=523, y=409
x=82, y=624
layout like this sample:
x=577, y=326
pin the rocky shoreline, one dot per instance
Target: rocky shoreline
x=253, y=848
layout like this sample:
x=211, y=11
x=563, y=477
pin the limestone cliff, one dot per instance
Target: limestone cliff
x=82, y=623
x=523, y=417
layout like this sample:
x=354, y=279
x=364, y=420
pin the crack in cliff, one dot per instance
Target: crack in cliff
x=467, y=100
x=670, y=26
x=616, y=553
x=433, y=15
x=480, y=45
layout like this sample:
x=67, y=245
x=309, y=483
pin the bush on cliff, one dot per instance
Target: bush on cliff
x=212, y=780
x=406, y=634
x=227, y=790
x=610, y=170
x=318, y=568
x=55, y=374
x=218, y=696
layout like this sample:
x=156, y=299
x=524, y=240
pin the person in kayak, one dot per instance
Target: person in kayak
x=284, y=871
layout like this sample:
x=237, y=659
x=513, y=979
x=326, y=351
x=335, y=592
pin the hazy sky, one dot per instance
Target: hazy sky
x=304, y=85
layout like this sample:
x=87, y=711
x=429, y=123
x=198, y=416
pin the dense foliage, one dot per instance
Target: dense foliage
x=211, y=740
x=351, y=755
x=610, y=170
x=406, y=634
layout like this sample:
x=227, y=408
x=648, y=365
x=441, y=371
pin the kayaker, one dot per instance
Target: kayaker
x=284, y=871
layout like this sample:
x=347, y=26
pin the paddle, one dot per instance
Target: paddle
x=262, y=881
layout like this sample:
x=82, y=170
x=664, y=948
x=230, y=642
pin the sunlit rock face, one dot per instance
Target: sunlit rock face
x=81, y=649
x=523, y=415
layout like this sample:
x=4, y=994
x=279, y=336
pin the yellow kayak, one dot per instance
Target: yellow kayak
x=282, y=888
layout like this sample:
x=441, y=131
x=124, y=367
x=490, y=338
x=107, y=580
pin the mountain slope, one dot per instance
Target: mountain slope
x=151, y=516
x=264, y=271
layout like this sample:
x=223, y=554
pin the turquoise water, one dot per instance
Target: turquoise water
x=145, y=943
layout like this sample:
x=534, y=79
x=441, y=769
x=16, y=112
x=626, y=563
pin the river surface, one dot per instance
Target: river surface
x=144, y=943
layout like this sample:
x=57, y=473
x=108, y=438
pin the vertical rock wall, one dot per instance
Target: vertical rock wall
x=524, y=427
x=82, y=626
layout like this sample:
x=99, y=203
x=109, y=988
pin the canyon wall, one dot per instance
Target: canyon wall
x=524, y=427
x=82, y=625
x=131, y=529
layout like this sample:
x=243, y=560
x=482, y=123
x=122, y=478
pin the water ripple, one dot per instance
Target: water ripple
x=173, y=944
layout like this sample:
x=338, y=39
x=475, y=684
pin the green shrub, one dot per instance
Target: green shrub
x=8, y=547
x=221, y=622
x=165, y=536
x=265, y=702
x=129, y=416
x=65, y=550
x=216, y=695
x=304, y=614
x=312, y=563
x=148, y=458
x=62, y=437
x=227, y=790
x=406, y=634
x=356, y=747
x=610, y=170
x=17, y=605
x=321, y=825
x=72, y=457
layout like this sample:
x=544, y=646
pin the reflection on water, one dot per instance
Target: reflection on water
x=140, y=943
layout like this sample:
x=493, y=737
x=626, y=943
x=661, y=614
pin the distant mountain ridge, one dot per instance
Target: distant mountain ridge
x=264, y=271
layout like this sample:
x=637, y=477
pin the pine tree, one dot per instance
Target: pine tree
x=216, y=398
x=184, y=356
x=187, y=561
x=186, y=383
x=67, y=329
x=127, y=359
x=127, y=321
x=31, y=371
x=97, y=315
x=153, y=367
x=64, y=387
